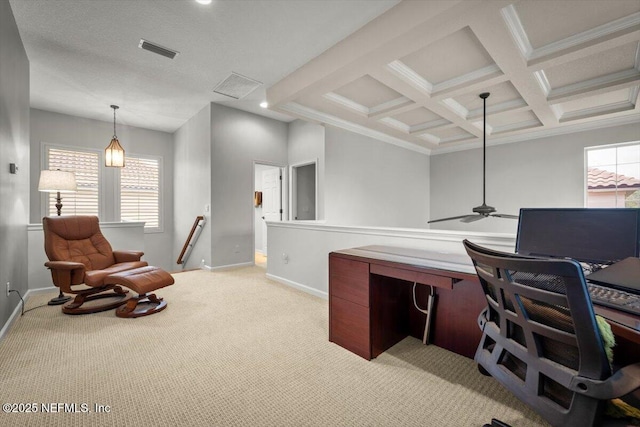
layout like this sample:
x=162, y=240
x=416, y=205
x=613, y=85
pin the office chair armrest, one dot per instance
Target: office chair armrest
x=622, y=382
x=127, y=256
x=63, y=265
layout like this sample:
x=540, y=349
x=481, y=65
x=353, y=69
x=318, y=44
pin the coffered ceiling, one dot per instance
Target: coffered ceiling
x=412, y=76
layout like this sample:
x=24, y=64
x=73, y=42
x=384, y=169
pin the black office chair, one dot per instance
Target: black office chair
x=541, y=341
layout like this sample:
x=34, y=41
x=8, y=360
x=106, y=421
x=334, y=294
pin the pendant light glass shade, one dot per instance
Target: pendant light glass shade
x=114, y=153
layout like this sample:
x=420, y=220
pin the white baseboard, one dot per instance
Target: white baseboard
x=229, y=266
x=41, y=290
x=12, y=318
x=299, y=286
x=18, y=310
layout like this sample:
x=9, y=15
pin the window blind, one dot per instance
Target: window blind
x=140, y=191
x=85, y=165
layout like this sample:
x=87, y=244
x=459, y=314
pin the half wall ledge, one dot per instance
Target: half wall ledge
x=298, y=251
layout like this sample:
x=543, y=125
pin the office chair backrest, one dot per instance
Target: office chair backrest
x=78, y=239
x=540, y=337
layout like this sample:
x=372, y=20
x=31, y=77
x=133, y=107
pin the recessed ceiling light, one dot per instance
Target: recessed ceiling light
x=264, y=104
x=204, y=1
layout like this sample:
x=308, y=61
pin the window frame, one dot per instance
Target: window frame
x=117, y=190
x=586, y=165
x=44, y=164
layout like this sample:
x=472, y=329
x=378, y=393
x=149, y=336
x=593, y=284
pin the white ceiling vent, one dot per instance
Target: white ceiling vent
x=156, y=48
x=236, y=86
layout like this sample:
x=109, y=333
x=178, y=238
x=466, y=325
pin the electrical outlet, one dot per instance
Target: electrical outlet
x=8, y=287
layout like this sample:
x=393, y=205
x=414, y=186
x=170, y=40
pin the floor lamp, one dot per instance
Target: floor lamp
x=57, y=181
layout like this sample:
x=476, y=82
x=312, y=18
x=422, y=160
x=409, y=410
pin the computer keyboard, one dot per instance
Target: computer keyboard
x=614, y=298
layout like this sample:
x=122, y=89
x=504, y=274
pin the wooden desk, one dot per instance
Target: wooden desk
x=371, y=306
x=626, y=328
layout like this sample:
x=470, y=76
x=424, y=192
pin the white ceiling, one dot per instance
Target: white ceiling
x=84, y=54
x=407, y=73
x=412, y=76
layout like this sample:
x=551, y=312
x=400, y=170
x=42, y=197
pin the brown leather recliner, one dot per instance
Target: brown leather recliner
x=79, y=254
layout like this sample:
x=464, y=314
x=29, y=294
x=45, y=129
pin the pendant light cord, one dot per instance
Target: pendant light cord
x=115, y=107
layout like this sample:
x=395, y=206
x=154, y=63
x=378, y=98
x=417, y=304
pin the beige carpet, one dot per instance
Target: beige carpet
x=234, y=349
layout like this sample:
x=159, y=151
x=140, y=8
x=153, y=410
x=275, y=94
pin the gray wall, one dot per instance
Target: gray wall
x=306, y=143
x=65, y=130
x=192, y=184
x=545, y=172
x=14, y=148
x=373, y=183
x=238, y=139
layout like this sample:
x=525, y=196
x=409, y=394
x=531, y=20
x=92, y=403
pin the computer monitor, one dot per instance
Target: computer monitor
x=587, y=235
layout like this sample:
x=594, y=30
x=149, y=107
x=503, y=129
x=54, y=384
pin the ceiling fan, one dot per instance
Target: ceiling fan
x=482, y=211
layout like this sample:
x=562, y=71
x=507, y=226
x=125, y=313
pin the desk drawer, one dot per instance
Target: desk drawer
x=413, y=276
x=349, y=280
x=350, y=326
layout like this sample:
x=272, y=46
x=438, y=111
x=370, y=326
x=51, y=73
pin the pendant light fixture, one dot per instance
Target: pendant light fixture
x=114, y=153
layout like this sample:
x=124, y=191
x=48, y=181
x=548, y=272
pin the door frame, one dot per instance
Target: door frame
x=292, y=188
x=284, y=200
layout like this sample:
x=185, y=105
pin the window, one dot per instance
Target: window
x=85, y=164
x=138, y=194
x=140, y=191
x=613, y=176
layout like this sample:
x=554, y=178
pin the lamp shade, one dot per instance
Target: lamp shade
x=52, y=181
x=114, y=154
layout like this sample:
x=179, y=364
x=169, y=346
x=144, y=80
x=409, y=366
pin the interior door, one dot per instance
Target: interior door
x=271, y=200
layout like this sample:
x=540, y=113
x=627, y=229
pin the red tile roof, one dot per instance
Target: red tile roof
x=601, y=179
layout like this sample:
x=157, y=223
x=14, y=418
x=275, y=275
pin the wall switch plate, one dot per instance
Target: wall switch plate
x=8, y=287
x=13, y=168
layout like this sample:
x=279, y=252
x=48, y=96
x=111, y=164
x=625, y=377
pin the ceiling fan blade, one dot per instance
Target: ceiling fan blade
x=472, y=218
x=505, y=216
x=451, y=218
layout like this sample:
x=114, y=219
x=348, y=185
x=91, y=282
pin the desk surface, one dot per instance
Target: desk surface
x=460, y=263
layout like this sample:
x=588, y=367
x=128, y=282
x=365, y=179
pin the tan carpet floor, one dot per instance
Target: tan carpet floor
x=233, y=349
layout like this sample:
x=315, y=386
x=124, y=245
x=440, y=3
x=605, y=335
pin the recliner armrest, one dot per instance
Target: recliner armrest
x=622, y=382
x=63, y=265
x=66, y=273
x=127, y=256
